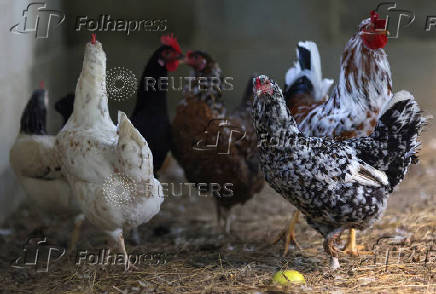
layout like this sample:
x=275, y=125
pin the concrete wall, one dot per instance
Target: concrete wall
x=15, y=83
x=244, y=36
x=24, y=62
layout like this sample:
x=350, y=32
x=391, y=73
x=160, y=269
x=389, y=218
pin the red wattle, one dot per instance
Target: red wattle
x=257, y=83
x=172, y=65
x=375, y=40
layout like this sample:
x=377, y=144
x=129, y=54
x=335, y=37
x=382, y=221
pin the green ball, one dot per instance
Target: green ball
x=288, y=277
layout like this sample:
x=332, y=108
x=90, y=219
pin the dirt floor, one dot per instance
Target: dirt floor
x=183, y=251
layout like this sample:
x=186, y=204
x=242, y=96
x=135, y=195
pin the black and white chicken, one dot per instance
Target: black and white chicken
x=335, y=184
x=363, y=88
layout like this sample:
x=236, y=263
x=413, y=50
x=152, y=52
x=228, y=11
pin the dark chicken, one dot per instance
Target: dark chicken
x=337, y=185
x=65, y=107
x=363, y=87
x=202, y=121
x=150, y=115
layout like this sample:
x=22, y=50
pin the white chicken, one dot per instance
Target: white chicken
x=110, y=169
x=33, y=160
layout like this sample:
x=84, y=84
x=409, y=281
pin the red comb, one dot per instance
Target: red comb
x=41, y=85
x=93, y=38
x=171, y=41
x=257, y=83
x=379, y=24
x=189, y=52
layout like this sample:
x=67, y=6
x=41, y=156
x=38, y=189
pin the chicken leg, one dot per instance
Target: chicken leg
x=289, y=234
x=118, y=238
x=330, y=249
x=78, y=221
x=351, y=247
x=223, y=215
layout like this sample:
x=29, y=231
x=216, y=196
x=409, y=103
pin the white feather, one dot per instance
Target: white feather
x=95, y=154
x=366, y=175
x=320, y=86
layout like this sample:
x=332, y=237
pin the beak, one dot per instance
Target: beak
x=383, y=32
x=181, y=59
x=184, y=60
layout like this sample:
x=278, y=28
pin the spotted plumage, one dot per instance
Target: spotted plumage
x=333, y=182
x=363, y=87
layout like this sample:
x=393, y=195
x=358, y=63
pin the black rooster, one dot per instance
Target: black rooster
x=150, y=116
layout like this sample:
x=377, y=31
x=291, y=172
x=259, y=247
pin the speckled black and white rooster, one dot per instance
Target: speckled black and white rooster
x=335, y=184
x=364, y=86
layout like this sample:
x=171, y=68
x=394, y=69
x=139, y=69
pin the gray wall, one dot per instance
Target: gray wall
x=244, y=36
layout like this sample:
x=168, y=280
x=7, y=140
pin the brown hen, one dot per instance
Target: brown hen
x=212, y=145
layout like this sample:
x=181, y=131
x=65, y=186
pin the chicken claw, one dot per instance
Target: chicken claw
x=351, y=248
x=289, y=234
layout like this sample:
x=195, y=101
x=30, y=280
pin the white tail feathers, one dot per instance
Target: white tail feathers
x=135, y=157
x=126, y=130
x=314, y=74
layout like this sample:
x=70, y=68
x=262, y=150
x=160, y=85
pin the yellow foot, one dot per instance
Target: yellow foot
x=289, y=234
x=352, y=248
